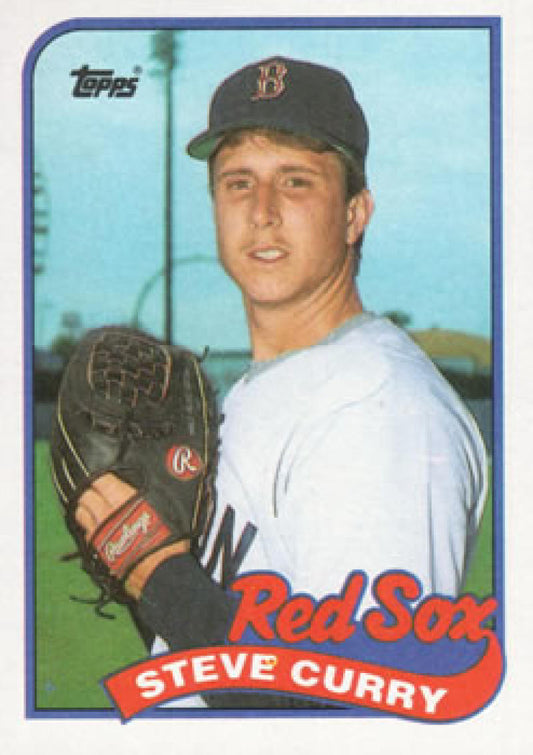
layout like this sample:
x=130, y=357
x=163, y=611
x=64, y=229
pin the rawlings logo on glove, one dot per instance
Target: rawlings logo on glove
x=183, y=462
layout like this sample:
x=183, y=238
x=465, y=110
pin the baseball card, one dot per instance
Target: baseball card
x=265, y=269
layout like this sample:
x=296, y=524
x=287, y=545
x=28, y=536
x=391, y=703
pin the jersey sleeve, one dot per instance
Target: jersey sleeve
x=382, y=484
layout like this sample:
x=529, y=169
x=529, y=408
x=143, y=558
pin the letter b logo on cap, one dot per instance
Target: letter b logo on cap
x=270, y=83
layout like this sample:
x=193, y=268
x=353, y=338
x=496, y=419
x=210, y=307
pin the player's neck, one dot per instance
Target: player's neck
x=274, y=331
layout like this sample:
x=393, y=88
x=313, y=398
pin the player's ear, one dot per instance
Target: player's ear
x=358, y=213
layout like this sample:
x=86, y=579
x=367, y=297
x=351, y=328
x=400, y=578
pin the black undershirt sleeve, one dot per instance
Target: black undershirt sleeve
x=188, y=610
x=184, y=606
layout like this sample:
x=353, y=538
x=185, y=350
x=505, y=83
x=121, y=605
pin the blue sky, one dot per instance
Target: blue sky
x=426, y=94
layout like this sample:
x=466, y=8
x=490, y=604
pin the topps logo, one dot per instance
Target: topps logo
x=93, y=83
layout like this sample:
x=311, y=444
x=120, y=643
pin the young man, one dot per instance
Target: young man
x=342, y=448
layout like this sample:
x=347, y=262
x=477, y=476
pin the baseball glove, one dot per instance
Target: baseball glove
x=131, y=405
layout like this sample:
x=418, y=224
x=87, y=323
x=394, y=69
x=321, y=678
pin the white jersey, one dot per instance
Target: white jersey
x=353, y=454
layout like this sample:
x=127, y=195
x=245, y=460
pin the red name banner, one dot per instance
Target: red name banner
x=318, y=676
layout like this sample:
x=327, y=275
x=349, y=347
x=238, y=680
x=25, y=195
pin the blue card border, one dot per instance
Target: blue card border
x=494, y=25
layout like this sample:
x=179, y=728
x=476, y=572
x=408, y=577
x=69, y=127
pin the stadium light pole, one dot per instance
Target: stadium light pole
x=41, y=229
x=164, y=49
x=40, y=221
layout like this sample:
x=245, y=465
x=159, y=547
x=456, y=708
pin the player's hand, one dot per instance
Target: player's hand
x=102, y=499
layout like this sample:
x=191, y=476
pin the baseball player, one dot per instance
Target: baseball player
x=342, y=447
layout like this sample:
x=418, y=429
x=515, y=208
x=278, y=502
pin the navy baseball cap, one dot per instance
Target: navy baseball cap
x=286, y=95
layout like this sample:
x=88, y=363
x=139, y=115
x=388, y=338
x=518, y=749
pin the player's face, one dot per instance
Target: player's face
x=284, y=227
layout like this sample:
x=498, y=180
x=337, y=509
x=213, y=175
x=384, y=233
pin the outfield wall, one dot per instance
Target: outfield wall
x=224, y=369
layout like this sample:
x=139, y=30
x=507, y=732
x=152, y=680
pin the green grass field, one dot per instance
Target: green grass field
x=74, y=648
x=479, y=579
